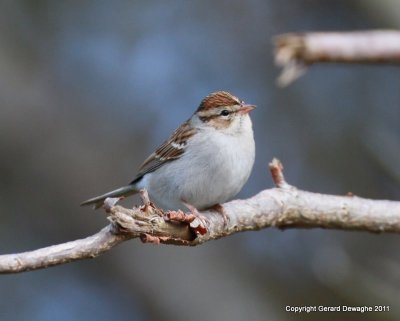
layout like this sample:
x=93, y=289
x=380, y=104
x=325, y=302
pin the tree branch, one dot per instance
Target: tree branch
x=295, y=51
x=281, y=207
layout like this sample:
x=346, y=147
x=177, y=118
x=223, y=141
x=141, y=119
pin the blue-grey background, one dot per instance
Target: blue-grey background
x=88, y=89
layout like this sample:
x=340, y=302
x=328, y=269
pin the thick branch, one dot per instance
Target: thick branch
x=295, y=51
x=281, y=207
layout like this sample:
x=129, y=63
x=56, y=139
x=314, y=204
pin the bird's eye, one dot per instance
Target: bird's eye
x=225, y=112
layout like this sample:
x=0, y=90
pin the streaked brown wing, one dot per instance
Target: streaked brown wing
x=171, y=149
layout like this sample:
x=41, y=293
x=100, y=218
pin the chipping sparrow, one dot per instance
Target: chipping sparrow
x=206, y=161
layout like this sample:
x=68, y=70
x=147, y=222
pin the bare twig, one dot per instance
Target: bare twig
x=295, y=51
x=281, y=207
x=276, y=169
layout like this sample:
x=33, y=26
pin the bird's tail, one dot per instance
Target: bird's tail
x=98, y=201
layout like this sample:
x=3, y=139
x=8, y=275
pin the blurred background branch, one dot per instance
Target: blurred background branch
x=295, y=51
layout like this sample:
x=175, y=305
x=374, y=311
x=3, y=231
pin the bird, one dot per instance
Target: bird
x=204, y=163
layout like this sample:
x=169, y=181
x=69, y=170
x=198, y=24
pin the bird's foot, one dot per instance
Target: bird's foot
x=194, y=219
x=179, y=216
x=200, y=222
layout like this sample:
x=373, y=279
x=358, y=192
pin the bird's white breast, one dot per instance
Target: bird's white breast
x=214, y=167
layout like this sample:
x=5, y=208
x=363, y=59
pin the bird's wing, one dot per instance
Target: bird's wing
x=171, y=149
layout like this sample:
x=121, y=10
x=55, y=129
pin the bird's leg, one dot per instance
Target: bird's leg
x=220, y=209
x=194, y=211
x=202, y=220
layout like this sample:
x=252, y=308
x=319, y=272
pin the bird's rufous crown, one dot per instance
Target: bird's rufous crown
x=218, y=99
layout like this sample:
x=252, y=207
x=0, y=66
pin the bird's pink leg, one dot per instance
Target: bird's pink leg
x=196, y=221
x=193, y=210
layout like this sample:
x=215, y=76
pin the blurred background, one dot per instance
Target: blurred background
x=88, y=89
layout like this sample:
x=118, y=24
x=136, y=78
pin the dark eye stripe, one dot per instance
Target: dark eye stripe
x=207, y=118
x=207, y=115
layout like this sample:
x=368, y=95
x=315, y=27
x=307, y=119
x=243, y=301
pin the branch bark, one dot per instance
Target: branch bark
x=281, y=207
x=295, y=51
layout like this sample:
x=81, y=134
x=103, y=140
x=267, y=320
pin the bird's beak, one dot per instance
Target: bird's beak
x=245, y=108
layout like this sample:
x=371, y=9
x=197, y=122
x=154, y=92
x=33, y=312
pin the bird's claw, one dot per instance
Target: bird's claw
x=194, y=220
